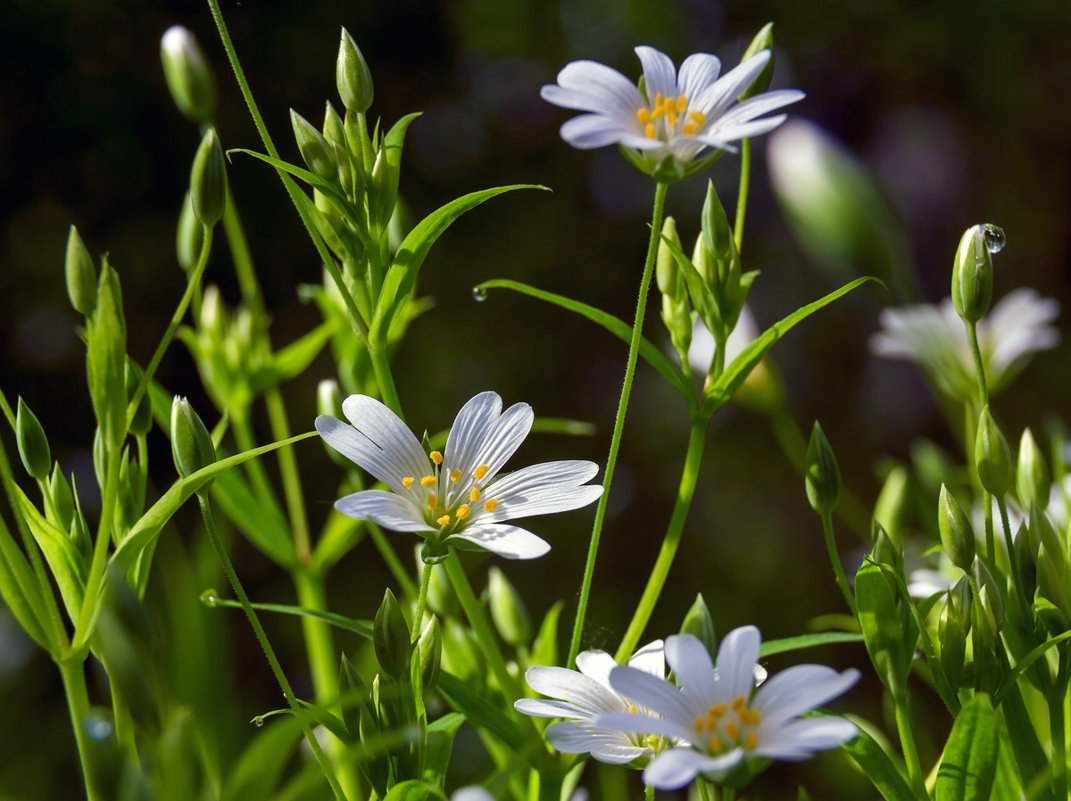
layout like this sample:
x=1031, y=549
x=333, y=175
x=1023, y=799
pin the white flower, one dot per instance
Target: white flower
x=455, y=497
x=682, y=114
x=720, y=718
x=1018, y=325
x=585, y=695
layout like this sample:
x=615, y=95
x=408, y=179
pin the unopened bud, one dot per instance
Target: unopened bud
x=354, y=693
x=763, y=41
x=822, y=479
x=352, y=76
x=390, y=636
x=508, y=610
x=698, y=622
x=992, y=457
x=142, y=421
x=1032, y=474
x=189, y=78
x=81, y=275
x=32, y=443
x=667, y=274
x=106, y=359
x=429, y=649
x=62, y=499
x=191, y=444
x=208, y=180
x=957, y=536
x=884, y=551
x=990, y=595
x=317, y=154
x=189, y=236
x=972, y=276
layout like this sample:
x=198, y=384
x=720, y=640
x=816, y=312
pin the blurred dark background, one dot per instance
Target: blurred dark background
x=959, y=111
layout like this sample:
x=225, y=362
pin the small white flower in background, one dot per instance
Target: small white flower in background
x=718, y=716
x=456, y=496
x=682, y=114
x=583, y=696
x=1018, y=325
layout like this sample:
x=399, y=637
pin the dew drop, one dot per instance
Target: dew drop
x=258, y=721
x=994, y=237
x=479, y=294
x=210, y=598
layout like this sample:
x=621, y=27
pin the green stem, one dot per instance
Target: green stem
x=1058, y=727
x=269, y=652
x=422, y=600
x=74, y=685
x=619, y=421
x=704, y=789
x=979, y=365
x=834, y=558
x=685, y=491
x=648, y=792
x=384, y=378
x=990, y=536
x=95, y=583
x=288, y=469
x=741, y=196
x=242, y=258
x=172, y=327
x=907, y=742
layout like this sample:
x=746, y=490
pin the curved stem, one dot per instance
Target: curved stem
x=834, y=558
x=619, y=421
x=689, y=475
x=269, y=652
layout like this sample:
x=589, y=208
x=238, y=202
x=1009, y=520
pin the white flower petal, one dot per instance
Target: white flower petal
x=618, y=752
x=717, y=98
x=677, y=767
x=659, y=75
x=589, y=131
x=760, y=104
x=503, y=438
x=470, y=430
x=596, y=665
x=651, y=692
x=802, y=738
x=692, y=666
x=385, y=508
x=697, y=72
x=651, y=658
x=471, y=794
x=511, y=542
x=586, y=693
x=638, y=723
x=609, y=91
x=737, y=656
x=800, y=689
x=578, y=738
x=544, y=708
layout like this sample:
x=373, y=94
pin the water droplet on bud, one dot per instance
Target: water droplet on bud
x=210, y=598
x=994, y=237
x=479, y=294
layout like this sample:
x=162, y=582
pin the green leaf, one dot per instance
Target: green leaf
x=261, y=523
x=360, y=627
x=737, y=372
x=802, y=641
x=294, y=358
x=1024, y=664
x=261, y=765
x=401, y=276
x=481, y=710
x=339, y=534
x=330, y=190
x=648, y=352
x=384, y=190
x=64, y=559
x=880, y=621
x=545, y=647
x=20, y=590
x=969, y=761
x=440, y=737
x=706, y=305
x=414, y=790
x=879, y=768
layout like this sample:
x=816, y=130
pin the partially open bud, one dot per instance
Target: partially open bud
x=32, y=443
x=208, y=180
x=763, y=41
x=957, y=536
x=992, y=457
x=81, y=275
x=823, y=476
x=972, y=276
x=191, y=444
x=315, y=151
x=508, y=610
x=352, y=75
x=1032, y=474
x=390, y=636
x=189, y=78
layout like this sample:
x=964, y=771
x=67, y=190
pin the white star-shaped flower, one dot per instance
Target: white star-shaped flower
x=583, y=696
x=679, y=114
x=456, y=497
x=719, y=718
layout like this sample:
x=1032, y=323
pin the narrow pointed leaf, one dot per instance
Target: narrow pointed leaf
x=20, y=590
x=64, y=559
x=969, y=761
x=787, y=644
x=260, y=523
x=312, y=179
x=879, y=768
x=360, y=627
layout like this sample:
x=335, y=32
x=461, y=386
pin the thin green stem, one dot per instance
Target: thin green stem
x=288, y=470
x=269, y=652
x=648, y=792
x=907, y=742
x=704, y=789
x=172, y=327
x=95, y=582
x=685, y=492
x=1013, y=558
x=1058, y=727
x=990, y=536
x=741, y=196
x=834, y=558
x=619, y=421
x=384, y=378
x=242, y=258
x=72, y=671
x=422, y=600
x=979, y=364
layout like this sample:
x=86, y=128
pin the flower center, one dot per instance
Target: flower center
x=728, y=726
x=448, y=502
x=669, y=117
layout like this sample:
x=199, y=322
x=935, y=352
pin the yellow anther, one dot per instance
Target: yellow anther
x=407, y=482
x=436, y=457
x=688, y=129
x=428, y=481
x=490, y=506
x=455, y=476
x=682, y=104
x=658, y=112
x=432, y=500
x=462, y=511
x=698, y=117
x=717, y=710
x=751, y=740
x=444, y=520
x=649, y=131
x=474, y=494
x=644, y=116
x=715, y=746
x=750, y=717
x=732, y=729
x=481, y=471
x=699, y=724
x=659, y=101
x=738, y=702
x=671, y=114
x=631, y=707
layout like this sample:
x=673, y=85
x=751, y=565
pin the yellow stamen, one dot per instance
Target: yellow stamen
x=688, y=129
x=717, y=710
x=631, y=707
x=732, y=729
x=490, y=506
x=428, y=481
x=455, y=476
x=738, y=702
x=659, y=101
x=649, y=131
x=444, y=520
x=658, y=112
x=715, y=746
x=407, y=482
x=462, y=511
x=481, y=471
x=751, y=740
x=698, y=117
x=644, y=116
x=432, y=500
x=474, y=494
x=436, y=457
x=671, y=114
x=699, y=723
x=682, y=104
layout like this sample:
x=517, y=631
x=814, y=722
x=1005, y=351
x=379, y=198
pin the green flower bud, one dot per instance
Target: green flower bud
x=314, y=149
x=81, y=275
x=1052, y=564
x=666, y=272
x=822, y=479
x=61, y=510
x=718, y=234
x=1027, y=546
x=354, y=693
x=32, y=443
x=885, y=551
x=106, y=359
x=352, y=76
x=957, y=536
x=1032, y=474
x=990, y=595
x=428, y=652
x=189, y=235
x=972, y=276
x=191, y=444
x=508, y=610
x=698, y=622
x=334, y=130
x=208, y=180
x=142, y=422
x=952, y=630
x=374, y=768
x=390, y=636
x=189, y=78
x=763, y=41
x=992, y=457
